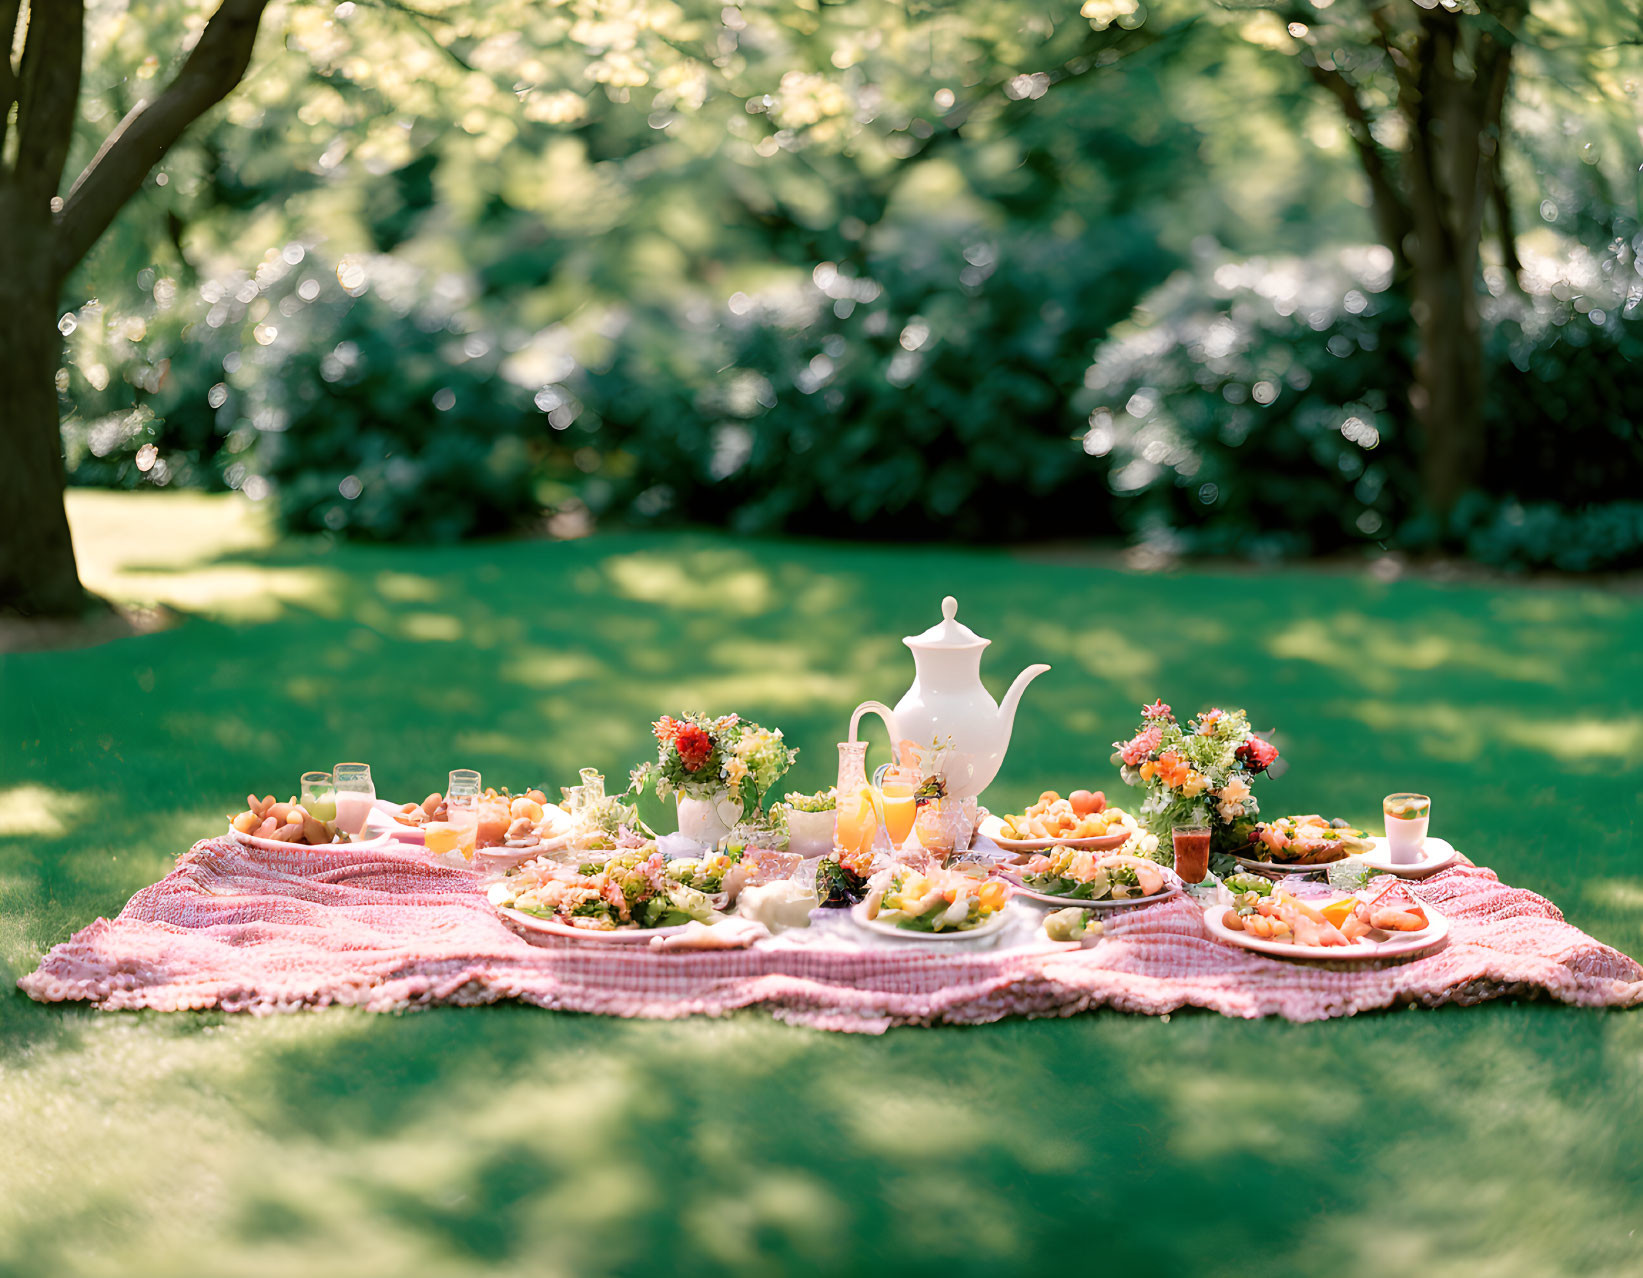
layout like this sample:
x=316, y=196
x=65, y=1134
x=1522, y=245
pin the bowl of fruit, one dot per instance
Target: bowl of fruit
x=1081, y=820
x=274, y=826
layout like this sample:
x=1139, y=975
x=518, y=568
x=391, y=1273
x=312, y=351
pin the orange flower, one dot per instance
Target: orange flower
x=1173, y=770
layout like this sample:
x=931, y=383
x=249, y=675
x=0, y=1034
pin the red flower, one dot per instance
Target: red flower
x=1157, y=710
x=1140, y=747
x=1257, y=755
x=693, y=744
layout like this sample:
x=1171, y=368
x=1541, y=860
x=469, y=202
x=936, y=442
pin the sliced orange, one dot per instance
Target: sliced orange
x=1337, y=912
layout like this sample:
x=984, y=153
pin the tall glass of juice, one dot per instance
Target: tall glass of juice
x=1191, y=852
x=355, y=793
x=900, y=807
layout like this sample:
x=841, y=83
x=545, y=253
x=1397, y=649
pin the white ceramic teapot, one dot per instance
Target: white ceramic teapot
x=948, y=702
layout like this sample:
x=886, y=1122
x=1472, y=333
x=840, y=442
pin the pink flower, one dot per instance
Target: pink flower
x=1157, y=710
x=1138, y=749
x=1207, y=722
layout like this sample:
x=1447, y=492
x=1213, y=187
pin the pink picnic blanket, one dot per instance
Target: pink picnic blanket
x=246, y=930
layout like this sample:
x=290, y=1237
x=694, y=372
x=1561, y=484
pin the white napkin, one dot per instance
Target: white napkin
x=729, y=934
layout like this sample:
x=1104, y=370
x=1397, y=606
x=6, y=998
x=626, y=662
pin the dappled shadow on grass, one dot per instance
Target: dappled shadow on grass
x=486, y=1140
x=509, y=1140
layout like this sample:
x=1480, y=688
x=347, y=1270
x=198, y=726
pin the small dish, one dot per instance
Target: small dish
x=1438, y=854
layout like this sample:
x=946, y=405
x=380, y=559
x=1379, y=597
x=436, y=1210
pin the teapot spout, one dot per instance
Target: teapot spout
x=1012, y=699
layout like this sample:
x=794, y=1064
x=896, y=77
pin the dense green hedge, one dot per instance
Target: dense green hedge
x=933, y=390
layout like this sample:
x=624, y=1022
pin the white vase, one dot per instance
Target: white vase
x=708, y=821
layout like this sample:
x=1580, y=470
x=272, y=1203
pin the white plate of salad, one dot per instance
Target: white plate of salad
x=633, y=895
x=932, y=905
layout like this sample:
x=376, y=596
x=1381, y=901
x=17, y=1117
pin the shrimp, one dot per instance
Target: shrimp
x=957, y=912
x=1265, y=926
x=1355, y=925
x=1395, y=920
x=1150, y=881
x=1317, y=932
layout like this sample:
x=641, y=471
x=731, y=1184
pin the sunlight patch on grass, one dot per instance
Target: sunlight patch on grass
x=776, y=688
x=1105, y=653
x=717, y=581
x=405, y=587
x=431, y=627
x=1615, y=894
x=547, y=669
x=1573, y=740
x=734, y=1229
x=241, y=594
x=117, y=531
x=39, y=812
x=1466, y=733
x=148, y=549
x=1377, y=651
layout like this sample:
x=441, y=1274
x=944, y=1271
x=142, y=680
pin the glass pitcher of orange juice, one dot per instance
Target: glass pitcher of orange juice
x=860, y=805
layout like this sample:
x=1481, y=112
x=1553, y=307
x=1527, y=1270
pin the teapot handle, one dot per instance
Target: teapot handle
x=884, y=712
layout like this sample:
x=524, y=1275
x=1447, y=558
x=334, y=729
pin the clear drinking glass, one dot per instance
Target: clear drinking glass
x=1407, y=818
x=319, y=796
x=462, y=807
x=355, y=792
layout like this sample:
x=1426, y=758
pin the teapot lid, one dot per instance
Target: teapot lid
x=950, y=633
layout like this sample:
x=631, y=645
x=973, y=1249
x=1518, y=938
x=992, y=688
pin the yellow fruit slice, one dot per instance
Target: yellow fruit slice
x=1337, y=912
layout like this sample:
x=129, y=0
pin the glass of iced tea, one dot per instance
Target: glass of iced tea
x=1407, y=816
x=1191, y=852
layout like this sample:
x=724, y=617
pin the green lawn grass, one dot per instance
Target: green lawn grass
x=1503, y=1140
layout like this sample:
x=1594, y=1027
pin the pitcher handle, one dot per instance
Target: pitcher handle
x=884, y=712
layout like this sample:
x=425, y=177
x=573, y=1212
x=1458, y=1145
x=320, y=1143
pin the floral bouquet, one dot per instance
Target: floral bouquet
x=1196, y=774
x=714, y=759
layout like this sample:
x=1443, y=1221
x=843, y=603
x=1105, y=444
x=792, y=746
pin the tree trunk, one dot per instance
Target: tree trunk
x=1448, y=392
x=38, y=576
x=1455, y=114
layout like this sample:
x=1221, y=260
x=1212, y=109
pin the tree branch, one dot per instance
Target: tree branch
x=1392, y=216
x=8, y=77
x=149, y=129
x=49, y=93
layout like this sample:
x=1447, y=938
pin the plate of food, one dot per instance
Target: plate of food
x=932, y=905
x=1301, y=844
x=630, y=896
x=1373, y=924
x=1082, y=820
x=287, y=827
x=1077, y=876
